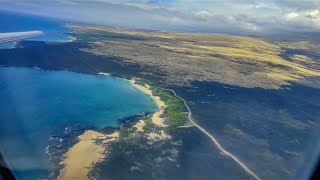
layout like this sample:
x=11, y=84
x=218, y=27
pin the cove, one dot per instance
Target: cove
x=36, y=103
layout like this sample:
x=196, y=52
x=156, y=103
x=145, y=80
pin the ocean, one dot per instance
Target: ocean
x=54, y=31
x=36, y=104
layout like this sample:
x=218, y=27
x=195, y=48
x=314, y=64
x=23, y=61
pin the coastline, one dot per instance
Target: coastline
x=156, y=117
x=75, y=162
x=201, y=97
x=92, y=146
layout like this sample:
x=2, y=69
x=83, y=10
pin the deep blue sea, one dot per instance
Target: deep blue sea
x=54, y=31
x=36, y=103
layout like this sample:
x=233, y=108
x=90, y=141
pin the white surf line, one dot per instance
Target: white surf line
x=225, y=152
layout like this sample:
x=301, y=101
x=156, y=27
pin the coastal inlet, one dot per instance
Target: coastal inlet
x=36, y=104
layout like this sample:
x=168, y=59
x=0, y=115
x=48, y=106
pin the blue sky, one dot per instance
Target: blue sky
x=231, y=16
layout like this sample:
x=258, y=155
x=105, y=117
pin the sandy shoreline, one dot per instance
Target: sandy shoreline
x=156, y=119
x=82, y=156
x=146, y=90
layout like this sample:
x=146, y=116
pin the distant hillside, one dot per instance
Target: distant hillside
x=184, y=57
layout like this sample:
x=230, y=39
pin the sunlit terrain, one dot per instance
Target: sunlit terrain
x=163, y=90
x=234, y=60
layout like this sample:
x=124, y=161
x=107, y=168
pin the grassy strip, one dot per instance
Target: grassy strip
x=175, y=110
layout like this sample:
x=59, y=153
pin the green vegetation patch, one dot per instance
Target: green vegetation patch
x=149, y=126
x=175, y=110
x=124, y=132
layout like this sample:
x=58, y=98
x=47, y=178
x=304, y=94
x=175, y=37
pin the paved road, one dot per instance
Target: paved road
x=214, y=140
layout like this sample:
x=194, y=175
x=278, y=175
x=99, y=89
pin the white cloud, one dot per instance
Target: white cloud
x=291, y=15
x=314, y=13
x=204, y=14
x=67, y=2
x=232, y=16
x=306, y=19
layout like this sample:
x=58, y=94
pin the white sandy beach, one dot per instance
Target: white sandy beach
x=82, y=156
x=156, y=118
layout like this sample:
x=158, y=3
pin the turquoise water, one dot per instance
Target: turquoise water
x=54, y=31
x=35, y=103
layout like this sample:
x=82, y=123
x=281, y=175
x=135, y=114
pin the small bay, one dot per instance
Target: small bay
x=35, y=103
